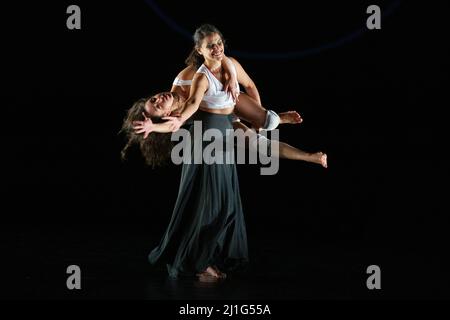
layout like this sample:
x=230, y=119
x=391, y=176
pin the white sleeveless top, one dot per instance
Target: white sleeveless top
x=179, y=82
x=215, y=97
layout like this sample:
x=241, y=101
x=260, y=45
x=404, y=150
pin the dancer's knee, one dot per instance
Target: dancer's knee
x=272, y=120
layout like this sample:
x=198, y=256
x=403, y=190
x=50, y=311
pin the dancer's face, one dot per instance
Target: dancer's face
x=212, y=47
x=160, y=105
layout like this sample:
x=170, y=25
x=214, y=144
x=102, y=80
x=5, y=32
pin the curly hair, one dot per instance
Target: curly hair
x=156, y=148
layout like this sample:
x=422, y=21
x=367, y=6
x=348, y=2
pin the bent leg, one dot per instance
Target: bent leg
x=250, y=110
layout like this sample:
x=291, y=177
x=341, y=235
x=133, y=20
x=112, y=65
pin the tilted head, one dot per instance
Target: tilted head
x=157, y=147
x=209, y=44
x=160, y=105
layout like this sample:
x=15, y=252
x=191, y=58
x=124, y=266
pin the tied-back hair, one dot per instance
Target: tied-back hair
x=156, y=148
x=195, y=59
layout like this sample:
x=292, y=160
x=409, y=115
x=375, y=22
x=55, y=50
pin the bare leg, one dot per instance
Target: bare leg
x=289, y=152
x=250, y=110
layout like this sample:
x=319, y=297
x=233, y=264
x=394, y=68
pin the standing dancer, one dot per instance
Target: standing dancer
x=207, y=229
x=207, y=233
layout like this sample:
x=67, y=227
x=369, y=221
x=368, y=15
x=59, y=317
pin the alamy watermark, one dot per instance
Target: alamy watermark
x=74, y=280
x=74, y=20
x=374, y=280
x=374, y=20
x=213, y=146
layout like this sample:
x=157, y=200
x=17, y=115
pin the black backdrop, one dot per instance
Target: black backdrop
x=373, y=100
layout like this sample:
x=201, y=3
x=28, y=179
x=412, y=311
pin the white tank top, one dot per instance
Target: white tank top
x=215, y=97
x=179, y=82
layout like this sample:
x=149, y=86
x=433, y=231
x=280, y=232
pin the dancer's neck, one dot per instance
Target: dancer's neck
x=178, y=104
x=213, y=66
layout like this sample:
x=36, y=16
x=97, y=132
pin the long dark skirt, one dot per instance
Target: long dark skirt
x=207, y=225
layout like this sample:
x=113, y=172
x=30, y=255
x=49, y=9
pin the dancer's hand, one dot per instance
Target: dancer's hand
x=230, y=87
x=174, y=123
x=144, y=127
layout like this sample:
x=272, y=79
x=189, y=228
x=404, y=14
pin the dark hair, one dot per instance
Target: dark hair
x=156, y=148
x=205, y=30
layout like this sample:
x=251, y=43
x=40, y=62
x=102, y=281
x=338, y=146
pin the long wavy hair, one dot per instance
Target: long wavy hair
x=156, y=148
x=195, y=59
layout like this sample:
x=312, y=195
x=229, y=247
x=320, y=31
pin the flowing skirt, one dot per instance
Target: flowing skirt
x=207, y=225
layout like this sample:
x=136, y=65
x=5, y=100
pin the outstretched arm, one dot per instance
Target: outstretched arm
x=198, y=89
x=147, y=126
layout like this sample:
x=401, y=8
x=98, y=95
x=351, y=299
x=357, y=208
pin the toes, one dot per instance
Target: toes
x=212, y=272
x=220, y=274
x=324, y=161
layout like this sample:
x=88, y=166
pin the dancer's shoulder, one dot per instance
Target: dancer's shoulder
x=235, y=62
x=187, y=73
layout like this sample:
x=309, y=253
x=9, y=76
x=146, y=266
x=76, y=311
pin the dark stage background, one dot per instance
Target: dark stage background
x=372, y=100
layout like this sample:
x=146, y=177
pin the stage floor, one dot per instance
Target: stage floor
x=113, y=265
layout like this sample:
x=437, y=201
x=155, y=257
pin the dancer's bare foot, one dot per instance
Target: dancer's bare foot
x=209, y=272
x=207, y=278
x=292, y=117
x=221, y=274
x=320, y=158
